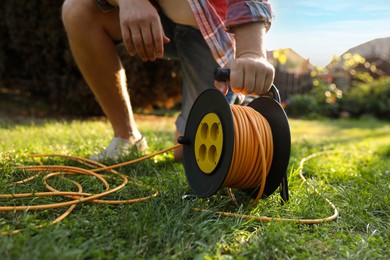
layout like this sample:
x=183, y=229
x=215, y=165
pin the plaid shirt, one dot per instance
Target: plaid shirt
x=216, y=17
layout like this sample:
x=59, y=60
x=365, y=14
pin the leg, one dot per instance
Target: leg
x=91, y=35
x=198, y=67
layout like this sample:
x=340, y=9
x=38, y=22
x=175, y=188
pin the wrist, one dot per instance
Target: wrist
x=250, y=40
x=250, y=54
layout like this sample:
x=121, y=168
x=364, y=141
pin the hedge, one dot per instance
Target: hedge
x=35, y=59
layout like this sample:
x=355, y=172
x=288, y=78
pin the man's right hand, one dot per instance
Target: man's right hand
x=141, y=29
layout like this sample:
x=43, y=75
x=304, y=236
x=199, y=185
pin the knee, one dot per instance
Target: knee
x=75, y=13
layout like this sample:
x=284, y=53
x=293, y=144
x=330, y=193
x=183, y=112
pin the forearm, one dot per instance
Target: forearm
x=250, y=39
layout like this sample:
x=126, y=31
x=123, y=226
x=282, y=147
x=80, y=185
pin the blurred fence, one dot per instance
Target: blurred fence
x=290, y=84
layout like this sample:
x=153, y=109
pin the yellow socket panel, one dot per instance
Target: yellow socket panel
x=208, y=143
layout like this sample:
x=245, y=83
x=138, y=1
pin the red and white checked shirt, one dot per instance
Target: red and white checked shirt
x=216, y=17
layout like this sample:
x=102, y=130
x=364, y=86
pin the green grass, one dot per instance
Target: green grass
x=355, y=177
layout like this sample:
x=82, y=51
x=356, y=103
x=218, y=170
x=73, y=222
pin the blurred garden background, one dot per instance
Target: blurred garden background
x=38, y=76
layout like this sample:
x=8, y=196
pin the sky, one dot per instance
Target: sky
x=319, y=29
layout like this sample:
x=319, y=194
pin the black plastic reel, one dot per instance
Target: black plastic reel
x=213, y=101
x=209, y=101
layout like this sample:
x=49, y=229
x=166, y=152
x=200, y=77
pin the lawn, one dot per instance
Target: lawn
x=353, y=173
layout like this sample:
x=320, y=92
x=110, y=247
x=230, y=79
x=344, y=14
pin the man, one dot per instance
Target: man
x=202, y=34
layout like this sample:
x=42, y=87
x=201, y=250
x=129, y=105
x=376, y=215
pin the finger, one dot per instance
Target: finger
x=136, y=36
x=237, y=77
x=126, y=36
x=166, y=39
x=249, y=80
x=269, y=78
x=148, y=43
x=159, y=39
x=264, y=79
x=260, y=88
x=222, y=86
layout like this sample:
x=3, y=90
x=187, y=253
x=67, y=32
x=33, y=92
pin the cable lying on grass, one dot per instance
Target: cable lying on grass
x=80, y=197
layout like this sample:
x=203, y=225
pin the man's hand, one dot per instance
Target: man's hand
x=249, y=75
x=250, y=72
x=141, y=28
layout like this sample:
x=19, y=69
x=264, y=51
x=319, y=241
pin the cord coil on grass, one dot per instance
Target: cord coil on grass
x=76, y=196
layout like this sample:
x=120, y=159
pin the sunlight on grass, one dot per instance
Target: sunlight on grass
x=76, y=137
x=354, y=175
x=339, y=131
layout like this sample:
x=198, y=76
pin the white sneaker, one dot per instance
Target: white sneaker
x=119, y=147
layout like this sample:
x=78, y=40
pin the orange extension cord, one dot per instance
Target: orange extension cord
x=79, y=196
x=253, y=150
x=251, y=161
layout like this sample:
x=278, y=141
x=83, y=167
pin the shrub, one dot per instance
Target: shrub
x=371, y=99
x=364, y=99
x=322, y=100
x=302, y=105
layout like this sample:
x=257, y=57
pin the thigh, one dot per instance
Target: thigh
x=109, y=18
x=88, y=16
x=198, y=66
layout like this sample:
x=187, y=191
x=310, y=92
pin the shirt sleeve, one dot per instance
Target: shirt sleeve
x=241, y=12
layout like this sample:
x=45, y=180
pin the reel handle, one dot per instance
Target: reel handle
x=223, y=74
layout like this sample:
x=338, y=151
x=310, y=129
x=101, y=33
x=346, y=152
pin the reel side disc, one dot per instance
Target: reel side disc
x=278, y=121
x=208, y=143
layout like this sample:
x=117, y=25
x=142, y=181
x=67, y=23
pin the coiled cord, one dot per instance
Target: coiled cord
x=253, y=151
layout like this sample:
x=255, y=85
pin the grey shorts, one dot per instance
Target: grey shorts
x=104, y=6
x=197, y=63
